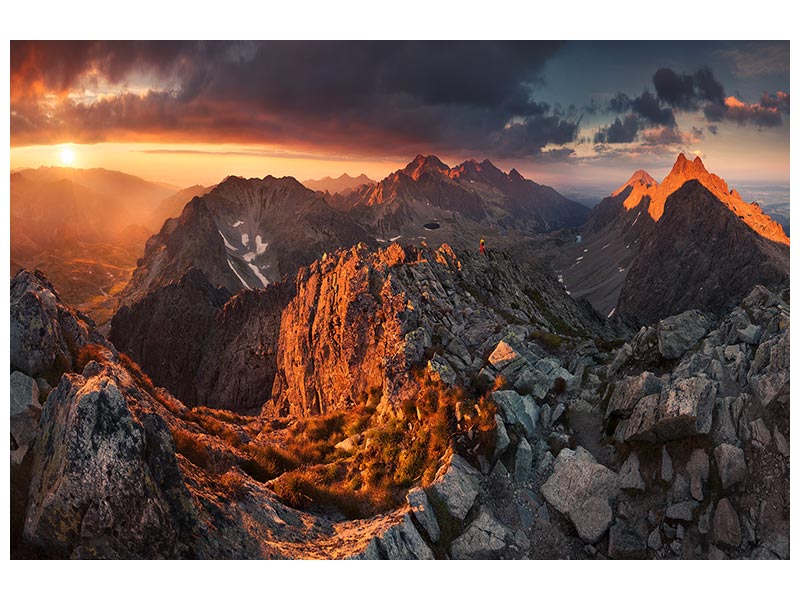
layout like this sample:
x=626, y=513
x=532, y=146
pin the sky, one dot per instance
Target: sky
x=581, y=116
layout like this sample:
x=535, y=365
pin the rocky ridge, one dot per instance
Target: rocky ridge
x=672, y=446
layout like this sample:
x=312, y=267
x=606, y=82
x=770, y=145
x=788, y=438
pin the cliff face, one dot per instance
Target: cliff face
x=700, y=255
x=360, y=321
x=206, y=347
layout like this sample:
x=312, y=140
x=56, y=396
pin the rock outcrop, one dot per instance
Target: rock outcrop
x=360, y=321
x=46, y=334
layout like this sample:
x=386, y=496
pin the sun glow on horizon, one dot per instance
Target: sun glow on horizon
x=67, y=156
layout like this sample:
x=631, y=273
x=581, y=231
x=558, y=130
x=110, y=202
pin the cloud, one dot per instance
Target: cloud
x=619, y=132
x=443, y=96
x=696, y=91
x=686, y=91
x=646, y=106
x=665, y=136
x=768, y=112
x=529, y=137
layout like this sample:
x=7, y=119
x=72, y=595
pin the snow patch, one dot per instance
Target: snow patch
x=611, y=314
x=245, y=240
x=235, y=272
x=395, y=238
x=264, y=281
x=237, y=223
x=261, y=247
x=580, y=258
x=585, y=249
x=606, y=246
x=249, y=256
x=620, y=269
x=637, y=218
x=227, y=243
x=381, y=240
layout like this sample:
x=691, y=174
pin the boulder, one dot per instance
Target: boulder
x=517, y=410
x=484, y=538
x=582, y=490
x=422, y=512
x=679, y=333
x=654, y=540
x=641, y=425
x=682, y=511
x=760, y=433
x=502, y=441
x=399, y=542
x=685, y=408
x=102, y=478
x=666, y=465
x=630, y=476
x=523, y=461
x=440, y=369
x=731, y=465
x=624, y=543
x=750, y=335
x=622, y=356
x=727, y=531
x=629, y=391
x=697, y=468
x=769, y=371
x=780, y=442
x=457, y=484
x=507, y=361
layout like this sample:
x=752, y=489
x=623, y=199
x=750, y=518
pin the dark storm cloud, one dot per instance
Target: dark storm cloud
x=448, y=96
x=534, y=132
x=647, y=106
x=687, y=91
x=619, y=132
x=695, y=91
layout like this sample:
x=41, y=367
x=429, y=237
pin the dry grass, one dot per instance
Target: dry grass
x=88, y=353
x=138, y=375
x=307, y=471
x=193, y=448
x=233, y=483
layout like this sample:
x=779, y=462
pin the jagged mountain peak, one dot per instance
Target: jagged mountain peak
x=639, y=178
x=425, y=164
x=685, y=170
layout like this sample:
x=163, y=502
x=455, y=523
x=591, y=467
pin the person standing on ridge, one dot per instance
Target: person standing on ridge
x=483, y=246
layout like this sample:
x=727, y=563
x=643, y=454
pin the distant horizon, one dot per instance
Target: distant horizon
x=767, y=191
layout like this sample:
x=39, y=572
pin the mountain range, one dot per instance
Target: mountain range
x=337, y=185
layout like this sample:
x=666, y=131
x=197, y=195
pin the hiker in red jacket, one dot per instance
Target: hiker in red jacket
x=483, y=246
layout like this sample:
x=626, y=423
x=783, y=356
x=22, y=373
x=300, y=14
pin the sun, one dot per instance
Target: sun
x=67, y=156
